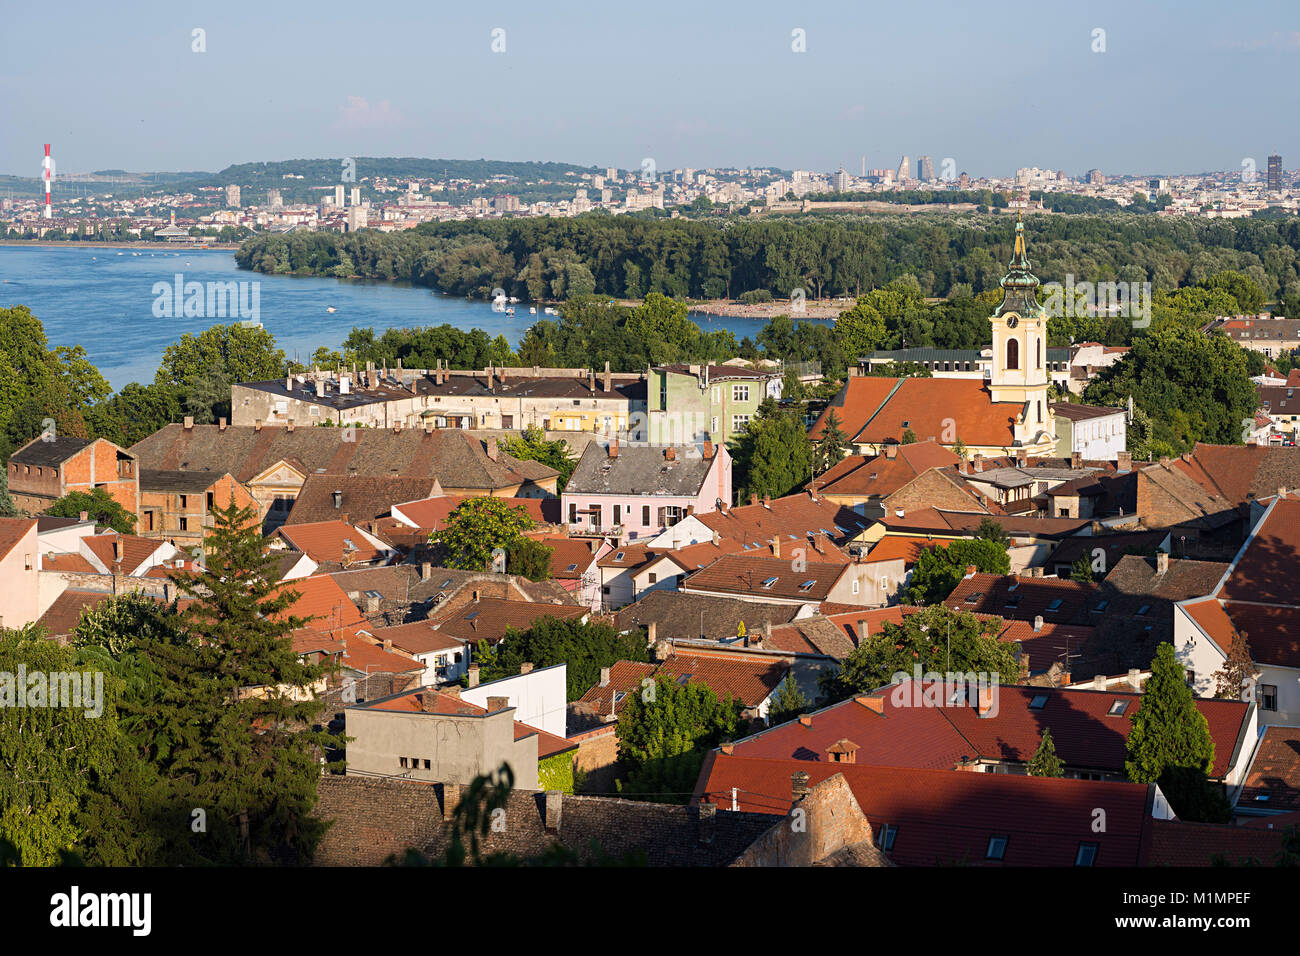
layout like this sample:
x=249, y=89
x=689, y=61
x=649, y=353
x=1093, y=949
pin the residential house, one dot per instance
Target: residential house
x=47, y=468
x=19, y=572
x=1093, y=432
x=696, y=403
x=180, y=506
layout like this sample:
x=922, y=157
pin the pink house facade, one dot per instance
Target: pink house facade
x=19, y=572
x=637, y=492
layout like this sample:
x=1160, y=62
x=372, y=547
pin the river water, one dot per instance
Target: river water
x=105, y=300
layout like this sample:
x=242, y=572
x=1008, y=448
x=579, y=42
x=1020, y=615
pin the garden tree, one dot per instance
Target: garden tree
x=1044, y=762
x=990, y=530
x=936, y=639
x=101, y=507
x=939, y=569
x=584, y=647
x=860, y=330
x=1194, y=387
x=909, y=437
x=1081, y=570
x=247, y=751
x=7, y=507
x=533, y=446
x=51, y=755
x=664, y=732
x=136, y=412
x=1249, y=296
x=1237, y=676
x=476, y=528
x=40, y=385
x=204, y=366
x=787, y=703
x=1169, y=743
x=772, y=455
x=530, y=558
x=832, y=446
x=663, y=324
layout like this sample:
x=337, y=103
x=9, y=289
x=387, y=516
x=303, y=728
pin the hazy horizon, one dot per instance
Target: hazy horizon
x=1179, y=89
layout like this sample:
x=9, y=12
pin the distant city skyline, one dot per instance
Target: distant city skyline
x=1178, y=90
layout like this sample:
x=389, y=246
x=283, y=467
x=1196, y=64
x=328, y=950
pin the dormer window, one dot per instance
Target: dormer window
x=997, y=848
x=1039, y=702
x=1117, y=708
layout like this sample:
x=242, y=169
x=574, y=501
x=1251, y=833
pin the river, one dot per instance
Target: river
x=104, y=299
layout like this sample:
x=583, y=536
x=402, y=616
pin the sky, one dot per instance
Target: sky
x=1165, y=88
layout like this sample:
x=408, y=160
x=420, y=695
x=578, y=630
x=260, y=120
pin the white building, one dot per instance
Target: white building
x=1096, y=433
x=540, y=697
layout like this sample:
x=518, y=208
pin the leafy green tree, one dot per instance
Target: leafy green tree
x=939, y=569
x=477, y=527
x=787, y=703
x=1081, y=570
x=583, y=647
x=247, y=752
x=1238, y=673
x=664, y=732
x=990, y=530
x=832, y=446
x=102, y=508
x=530, y=558
x=1249, y=296
x=204, y=366
x=136, y=412
x=1045, y=762
x=909, y=437
x=1194, y=387
x=936, y=639
x=860, y=330
x=1169, y=743
x=532, y=445
x=50, y=754
x=773, y=455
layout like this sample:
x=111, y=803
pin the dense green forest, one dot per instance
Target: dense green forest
x=950, y=256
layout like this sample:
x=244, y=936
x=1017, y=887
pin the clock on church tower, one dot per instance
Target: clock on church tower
x=1019, y=372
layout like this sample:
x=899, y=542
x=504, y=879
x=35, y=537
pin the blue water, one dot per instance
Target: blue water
x=103, y=299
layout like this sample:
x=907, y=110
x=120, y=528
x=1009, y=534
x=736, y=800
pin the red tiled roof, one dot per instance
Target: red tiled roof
x=488, y=618
x=749, y=681
x=947, y=818
x=322, y=602
x=135, y=550
x=1179, y=843
x=749, y=574
x=61, y=617
x=792, y=518
x=1020, y=598
x=1274, y=772
x=892, y=547
x=874, y=411
x=13, y=530
x=432, y=512
x=418, y=637
x=570, y=556
x=1265, y=571
x=69, y=562
x=882, y=475
x=1085, y=734
x=326, y=541
x=623, y=677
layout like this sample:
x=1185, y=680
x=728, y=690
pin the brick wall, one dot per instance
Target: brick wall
x=929, y=490
x=831, y=821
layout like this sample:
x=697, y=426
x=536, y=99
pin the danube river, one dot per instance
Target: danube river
x=104, y=299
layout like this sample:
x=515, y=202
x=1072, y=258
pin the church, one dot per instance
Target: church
x=1005, y=413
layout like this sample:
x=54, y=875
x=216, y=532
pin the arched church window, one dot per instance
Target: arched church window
x=1013, y=354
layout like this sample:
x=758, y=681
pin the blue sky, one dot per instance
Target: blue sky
x=1181, y=87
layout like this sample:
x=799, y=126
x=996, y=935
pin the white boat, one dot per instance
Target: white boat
x=331, y=309
x=510, y=311
x=532, y=310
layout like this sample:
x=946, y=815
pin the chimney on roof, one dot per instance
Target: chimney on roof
x=799, y=785
x=708, y=450
x=372, y=607
x=963, y=466
x=497, y=703
x=1099, y=682
x=651, y=632
x=320, y=388
x=767, y=502
x=984, y=701
x=776, y=546
x=1162, y=562
x=753, y=499
x=891, y=452
x=289, y=425
x=1038, y=623
x=472, y=678
x=221, y=424
x=1135, y=680
x=526, y=667
x=1022, y=457
x=85, y=516
x=428, y=701
x=288, y=383
x=257, y=425
x=490, y=445
x=450, y=797
x=979, y=463
x=862, y=630
x=670, y=454
x=805, y=720
x=189, y=423
x=1124, y=461
x=609, y=379
x=613, y=447
x=971, y=570
x=426, y=570
x=591, y=379
x=604, y=677
x=117, y=550
x=475, y=595
x=1076, y=459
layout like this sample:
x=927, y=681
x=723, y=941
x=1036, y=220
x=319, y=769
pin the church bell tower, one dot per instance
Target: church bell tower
x=1019, y=372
